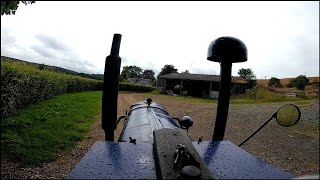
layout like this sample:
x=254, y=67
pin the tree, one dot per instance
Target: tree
x=130, y=72
x=186, y=71
x=274, y=82
x=41, y=66
x=167, y=69
x=248, y=75
x=148, y=74
x=10, y=7
x=299, y=82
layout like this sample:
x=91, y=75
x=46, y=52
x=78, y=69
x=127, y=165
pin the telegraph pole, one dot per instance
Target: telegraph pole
x=265, y=81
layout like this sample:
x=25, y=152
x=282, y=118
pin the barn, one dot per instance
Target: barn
x=198, y=85
x=140, y=81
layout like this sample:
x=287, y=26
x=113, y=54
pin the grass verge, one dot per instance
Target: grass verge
x=188, y=99
x=264, y=97
x=37, y=133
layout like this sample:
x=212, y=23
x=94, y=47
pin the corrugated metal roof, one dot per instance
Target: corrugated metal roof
x=134, y=80
x=200, y=77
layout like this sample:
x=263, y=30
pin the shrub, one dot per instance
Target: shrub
x=274, y=82
x=24, y=84
x=290, y=85
x=300, y=82
x=134, y=87
x=255, y=93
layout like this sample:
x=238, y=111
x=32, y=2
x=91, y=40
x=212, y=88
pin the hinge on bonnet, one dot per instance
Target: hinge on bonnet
x=184, y=158
x=176, y=156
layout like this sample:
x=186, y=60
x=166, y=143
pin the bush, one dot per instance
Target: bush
x=24, y=84
x=290, y=85
x=274, y=82
x=134, y=87
x=260, y=94
x=300, y=82
x=255, y=93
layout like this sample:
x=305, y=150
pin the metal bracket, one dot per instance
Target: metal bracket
x=165, y=146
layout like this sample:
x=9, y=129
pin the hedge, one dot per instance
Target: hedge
x=134, y=87
x=24, y=84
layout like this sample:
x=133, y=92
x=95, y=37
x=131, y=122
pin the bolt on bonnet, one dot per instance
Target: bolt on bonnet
x=228, y=49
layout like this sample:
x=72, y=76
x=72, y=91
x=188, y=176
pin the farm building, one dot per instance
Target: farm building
x=140, y=81
x=199, y=85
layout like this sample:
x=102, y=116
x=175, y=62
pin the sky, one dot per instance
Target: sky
x=282, y=38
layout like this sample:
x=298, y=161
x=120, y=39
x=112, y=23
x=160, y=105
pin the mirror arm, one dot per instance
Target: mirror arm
x=265, y=123
x=179, y=121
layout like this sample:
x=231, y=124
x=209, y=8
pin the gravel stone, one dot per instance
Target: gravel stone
x=294, y=149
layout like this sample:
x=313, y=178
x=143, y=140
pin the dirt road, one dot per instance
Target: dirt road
x=294, y=149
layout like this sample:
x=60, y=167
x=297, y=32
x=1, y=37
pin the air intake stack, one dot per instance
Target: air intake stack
x=225, y=50
x=110, y=89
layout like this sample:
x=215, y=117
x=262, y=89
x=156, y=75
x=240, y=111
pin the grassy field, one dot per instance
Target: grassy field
x=37, y=133
x=309, y=88
x=286, y=80
x=259, y=96
x=40, y=131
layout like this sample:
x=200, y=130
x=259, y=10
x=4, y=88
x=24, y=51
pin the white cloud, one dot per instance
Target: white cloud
x=282, y=37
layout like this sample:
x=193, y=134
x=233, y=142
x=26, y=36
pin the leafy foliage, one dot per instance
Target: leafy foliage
x=259, y=94
x=54, y=68
x=255, y=93
x=10, y=7
x=248, y=75
x=148, y=74
x=134, y=87
x=39, y=132
x=24, y=84
x=42, y=66
x=91, y=76
x=167, y=69
x=274, y=82
x=299, y=82
x=186, y=71
x=130, y=72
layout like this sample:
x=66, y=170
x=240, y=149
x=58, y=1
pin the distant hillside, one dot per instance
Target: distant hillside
x=54, y=68
x=312, y=89
x=285, y=81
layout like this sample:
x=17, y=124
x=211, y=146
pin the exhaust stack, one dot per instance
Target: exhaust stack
x=110, y=89
x=225, y=50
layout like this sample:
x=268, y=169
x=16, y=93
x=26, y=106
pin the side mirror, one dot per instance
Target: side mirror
x=186, y=122
x=288, y=115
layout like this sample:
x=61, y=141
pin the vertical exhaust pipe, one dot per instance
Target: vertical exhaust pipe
x=225, y=50
x=110, y=89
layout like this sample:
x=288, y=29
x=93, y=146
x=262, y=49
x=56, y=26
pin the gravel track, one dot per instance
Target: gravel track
x=294, y=149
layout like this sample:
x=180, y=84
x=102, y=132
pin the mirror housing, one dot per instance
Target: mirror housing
x=186, y=122
x=288, y=115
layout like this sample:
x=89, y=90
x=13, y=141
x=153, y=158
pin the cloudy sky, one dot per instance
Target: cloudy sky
x=282, y=37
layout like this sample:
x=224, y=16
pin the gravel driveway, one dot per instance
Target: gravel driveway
x=294, y=149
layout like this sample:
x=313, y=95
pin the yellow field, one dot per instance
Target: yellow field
x=285, y=81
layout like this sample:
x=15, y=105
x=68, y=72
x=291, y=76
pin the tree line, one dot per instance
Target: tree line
x=299, y=82
x=10, y=8
x=246, y=73
x=137, y=72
